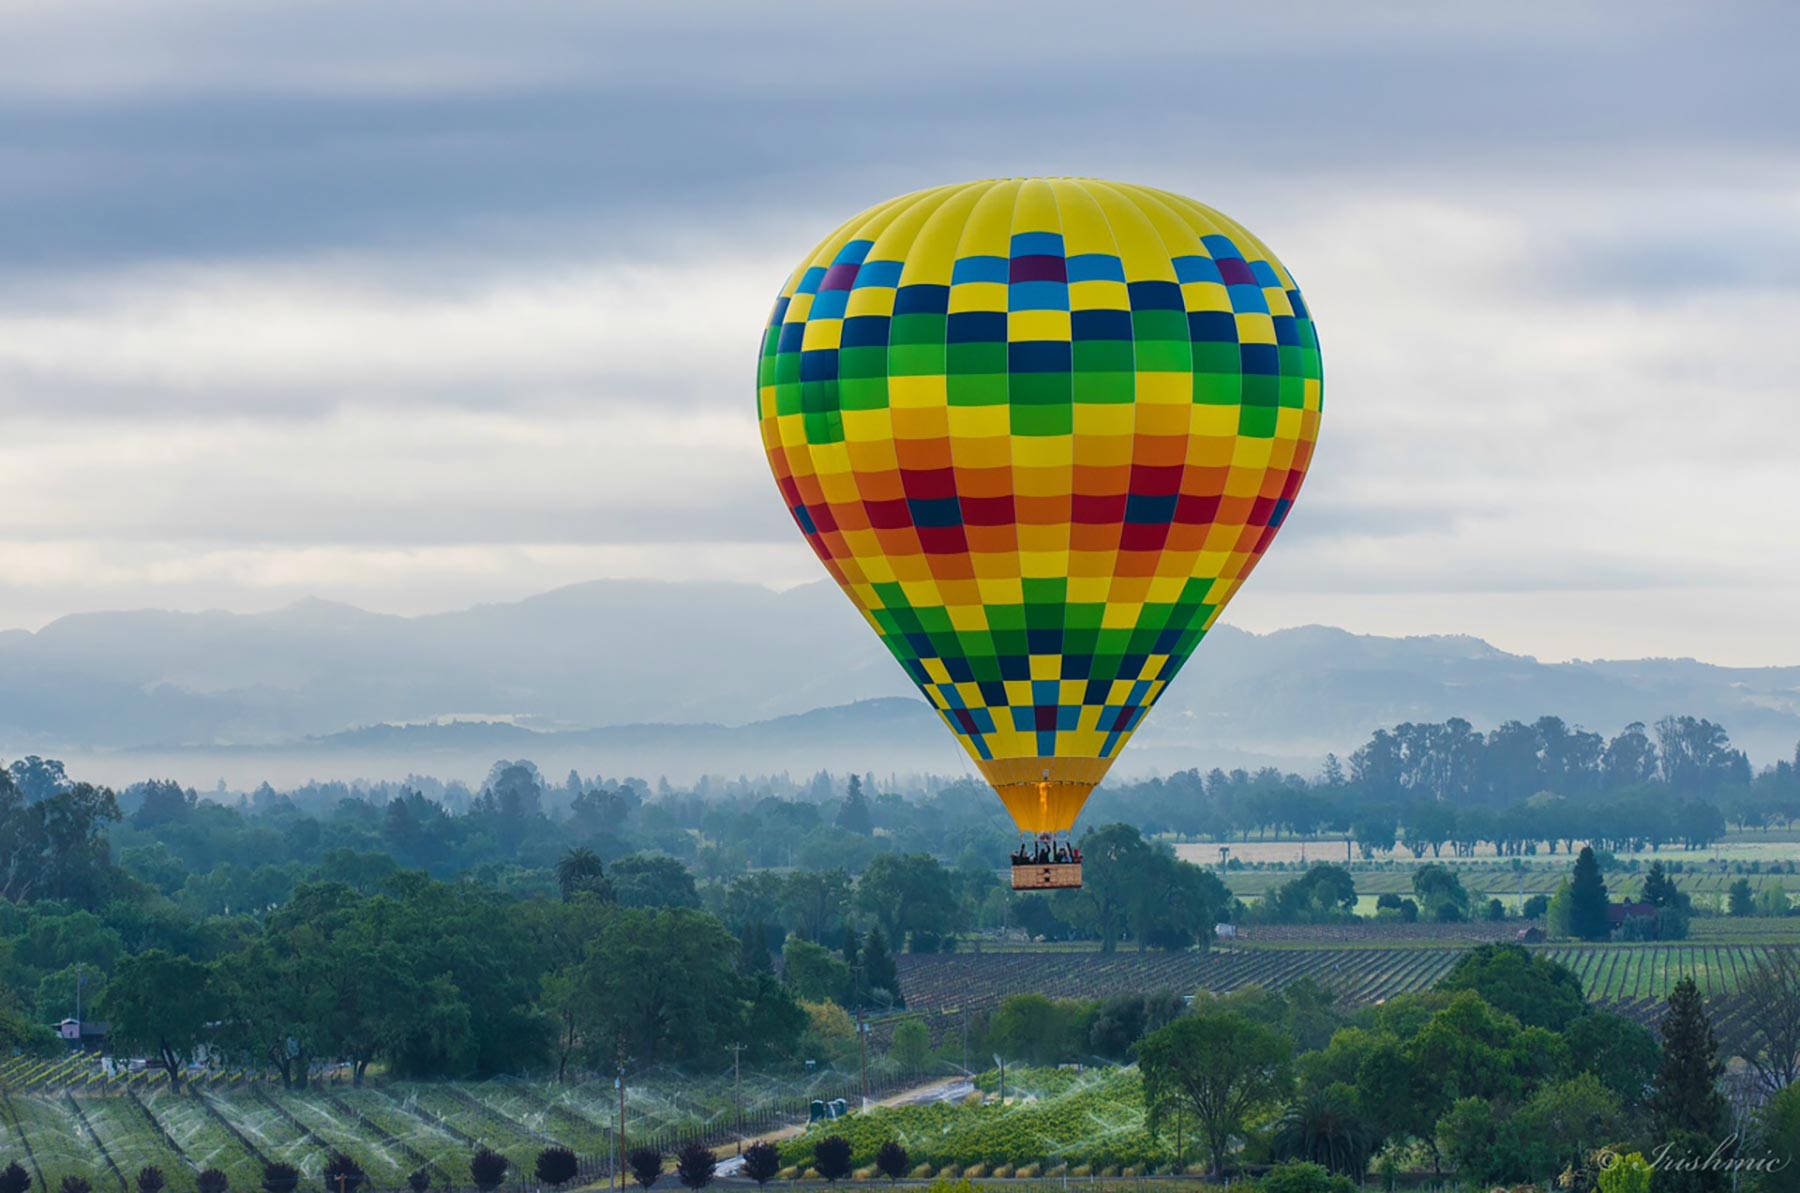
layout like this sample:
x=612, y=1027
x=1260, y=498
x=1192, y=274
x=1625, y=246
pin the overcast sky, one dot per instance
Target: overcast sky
x=415, y=306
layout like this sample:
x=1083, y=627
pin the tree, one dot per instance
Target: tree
x=853, y=816
x=892, y=1161
x=1778, y=1134
x=1219, y=1067
x=1621, y=1054
x=580, y=872
x=1629, y=1173
x=911, y=1045
x=877, y=977
x=1686, y=1106
x=1326, y=1127
x=909, y=895
x=14, y=1179
x=814, y=973
x=831, y=1156
x=1440, y=893
x=75, y=1184
x=653, y=880
x=1536, y=991
x=487, y=1168
x=419, y=1180
x=1113, y=856
x=646, y=1164
x=212, y=1180
x=695, y=1165
x=1563, y=1122
x=162, y=1004
x=1770, y=996
x=1375, y=832
x=1587, y=899
x=1742, y=898
x=1471, y=1137
x=279, y=1178
x=557, y=1166
x=1038, y=1030
x=762, y=1162
x=150, y=1179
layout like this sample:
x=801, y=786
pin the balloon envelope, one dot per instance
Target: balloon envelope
x=1040, y=431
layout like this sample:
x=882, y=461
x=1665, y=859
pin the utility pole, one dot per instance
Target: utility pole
x=965, y=1046
x=737, y=1091
x=620, y=1082
x=862, y=1030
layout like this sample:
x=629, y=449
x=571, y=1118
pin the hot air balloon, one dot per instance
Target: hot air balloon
x=1040, y=431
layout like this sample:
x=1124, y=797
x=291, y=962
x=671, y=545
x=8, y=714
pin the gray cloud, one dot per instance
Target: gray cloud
x=426, y=303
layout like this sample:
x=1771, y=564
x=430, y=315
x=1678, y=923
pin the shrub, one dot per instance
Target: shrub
x=75, y=1184
x=1629, y=1173
x=695, y=1165
x=557, y=1166
x=150, y=1179
x=831, y=1156
x=419, y=1180
x=212, y=1181
x=892, y=1161
x=14, y=1179
x=1303, y=1176
x=342, y=1174
x=488, y=1169
x=646, y=1164
x=762, y=1162
x=280, y=1178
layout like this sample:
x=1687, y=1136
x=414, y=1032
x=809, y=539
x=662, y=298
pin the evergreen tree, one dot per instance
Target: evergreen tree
x=879, y=972
x=1743, y=900
x=854, y=815
x=1587, y=899
x=1660, y=889
x=1685, y=1103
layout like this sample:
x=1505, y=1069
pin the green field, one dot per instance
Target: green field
x=1053, y=1119
x=59, y=1123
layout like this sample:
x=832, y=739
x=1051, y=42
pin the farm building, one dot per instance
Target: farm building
x=86, y=1035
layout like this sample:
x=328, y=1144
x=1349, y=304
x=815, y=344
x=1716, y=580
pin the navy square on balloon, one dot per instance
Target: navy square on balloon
x=940, y=512
x=1212, y=327
x=922, y=300
x=976, y=327
x=1101, y=325
x=1150, y=511
x=1156, y=296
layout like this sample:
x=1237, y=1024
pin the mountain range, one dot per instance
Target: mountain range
x=682, y=678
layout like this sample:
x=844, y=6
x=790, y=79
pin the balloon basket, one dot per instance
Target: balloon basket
x=1046, y=876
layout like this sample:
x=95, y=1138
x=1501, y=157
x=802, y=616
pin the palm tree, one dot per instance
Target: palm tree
x=1325, y=1127
x=580, y=872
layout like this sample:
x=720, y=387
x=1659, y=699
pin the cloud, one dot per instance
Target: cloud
x=420, y=305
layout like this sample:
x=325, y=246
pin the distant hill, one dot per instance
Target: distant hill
x=680, y=678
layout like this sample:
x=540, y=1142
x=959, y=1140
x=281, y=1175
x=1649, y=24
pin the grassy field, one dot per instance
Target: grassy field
x=1762, y=845
x=1053, y=1121
x=58, y=1123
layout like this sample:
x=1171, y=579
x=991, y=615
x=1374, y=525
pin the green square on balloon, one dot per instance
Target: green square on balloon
x=1043, y=420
